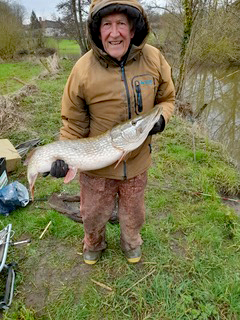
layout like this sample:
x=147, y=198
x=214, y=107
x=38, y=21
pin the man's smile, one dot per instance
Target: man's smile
x=114, y=43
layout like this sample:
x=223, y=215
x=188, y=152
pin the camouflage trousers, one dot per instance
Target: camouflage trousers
x=97, y=203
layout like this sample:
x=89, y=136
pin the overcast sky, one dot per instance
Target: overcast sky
x=47, y=8
x=42, y=8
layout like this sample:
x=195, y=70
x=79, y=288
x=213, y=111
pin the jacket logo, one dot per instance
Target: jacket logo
x=148, y=82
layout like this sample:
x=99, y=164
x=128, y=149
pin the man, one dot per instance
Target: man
x=119, y=78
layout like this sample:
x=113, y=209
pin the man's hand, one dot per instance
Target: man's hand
x=158, y=127
x=59, y=169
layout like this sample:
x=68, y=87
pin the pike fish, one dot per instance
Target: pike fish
x=94, y=152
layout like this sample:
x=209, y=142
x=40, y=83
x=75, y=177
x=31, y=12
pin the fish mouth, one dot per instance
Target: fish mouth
x=153, y=117
x=136, y=131
x=145, y=123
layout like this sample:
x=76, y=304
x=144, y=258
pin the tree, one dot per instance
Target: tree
x=11, y=29
x=199, y=32
x=34, y=22
x=36, y=31
x=74, y=14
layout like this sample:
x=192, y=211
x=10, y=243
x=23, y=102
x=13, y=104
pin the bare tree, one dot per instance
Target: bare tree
x=198, y=32
x=74, y=14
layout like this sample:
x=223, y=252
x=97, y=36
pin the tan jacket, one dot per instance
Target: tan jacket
x=100, y=94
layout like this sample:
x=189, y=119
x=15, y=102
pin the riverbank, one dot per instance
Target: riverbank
x=191, y=241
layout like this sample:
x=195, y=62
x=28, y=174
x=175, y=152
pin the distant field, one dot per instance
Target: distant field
x=64, y=46
x=26, y=70
x=22, y=70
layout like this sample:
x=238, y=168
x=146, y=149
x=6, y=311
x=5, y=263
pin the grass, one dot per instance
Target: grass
x=9, y=71
x=64, y=46
x=191, y=243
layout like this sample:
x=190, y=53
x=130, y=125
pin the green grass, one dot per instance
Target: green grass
x=64, y=46
x=11, y=70
x=191, y=243
x=8, y=71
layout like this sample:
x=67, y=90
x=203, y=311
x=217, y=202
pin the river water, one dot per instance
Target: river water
x=220, y=90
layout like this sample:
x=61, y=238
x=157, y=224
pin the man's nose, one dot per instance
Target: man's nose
x=114, y=30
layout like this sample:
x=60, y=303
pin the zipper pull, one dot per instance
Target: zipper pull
x=122, y=71
x=139, y=96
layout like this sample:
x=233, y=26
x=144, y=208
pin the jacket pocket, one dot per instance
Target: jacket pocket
x=144, y=91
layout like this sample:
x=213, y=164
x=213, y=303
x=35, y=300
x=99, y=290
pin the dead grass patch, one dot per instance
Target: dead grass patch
x=10, y=114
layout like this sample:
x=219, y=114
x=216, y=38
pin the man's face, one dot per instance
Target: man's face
x=116, y=34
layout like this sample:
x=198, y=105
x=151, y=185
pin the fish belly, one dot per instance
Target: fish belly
x=86, y=154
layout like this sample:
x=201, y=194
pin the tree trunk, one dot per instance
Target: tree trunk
x=188, y=22
x=82, y=25
x=79, y=27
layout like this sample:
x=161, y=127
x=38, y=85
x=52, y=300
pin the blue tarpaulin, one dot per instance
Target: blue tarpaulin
x=12, y=196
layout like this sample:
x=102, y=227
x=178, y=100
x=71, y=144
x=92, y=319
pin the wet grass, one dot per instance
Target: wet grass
x=191, y=244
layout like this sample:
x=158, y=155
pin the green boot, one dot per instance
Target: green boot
x=133, y=256
x=91, y=257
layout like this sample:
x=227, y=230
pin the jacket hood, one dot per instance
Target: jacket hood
x=132, y=9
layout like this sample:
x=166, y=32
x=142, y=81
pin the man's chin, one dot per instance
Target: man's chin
x=116, y=55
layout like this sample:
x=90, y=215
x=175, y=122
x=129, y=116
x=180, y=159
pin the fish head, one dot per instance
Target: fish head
x=131, y=134
x=36, y=163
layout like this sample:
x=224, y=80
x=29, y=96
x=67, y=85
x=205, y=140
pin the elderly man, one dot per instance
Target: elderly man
x=119, y=78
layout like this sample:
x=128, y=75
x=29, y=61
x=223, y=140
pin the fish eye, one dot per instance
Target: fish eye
x=133, y=122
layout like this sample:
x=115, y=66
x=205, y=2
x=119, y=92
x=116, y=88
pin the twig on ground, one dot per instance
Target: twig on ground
x=195, y=193
x=19, y=80
x=41, y=208
x=147, y=275
x=102, y=285
x=210, y=195
x=45, y=230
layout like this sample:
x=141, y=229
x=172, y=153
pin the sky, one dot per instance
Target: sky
x=47, y=8
x=42, y=8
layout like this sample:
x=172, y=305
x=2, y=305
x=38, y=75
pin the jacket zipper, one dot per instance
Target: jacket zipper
x=127, y=90
x=129, y=110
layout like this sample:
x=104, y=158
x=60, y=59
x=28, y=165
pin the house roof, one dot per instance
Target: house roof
x=50, y=24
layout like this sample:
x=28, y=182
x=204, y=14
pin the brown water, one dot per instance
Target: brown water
x=220, y=90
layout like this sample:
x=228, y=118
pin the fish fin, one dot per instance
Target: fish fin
x=122, y=156
x=70, y=175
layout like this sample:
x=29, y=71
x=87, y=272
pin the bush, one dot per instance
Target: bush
x=11, y=31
